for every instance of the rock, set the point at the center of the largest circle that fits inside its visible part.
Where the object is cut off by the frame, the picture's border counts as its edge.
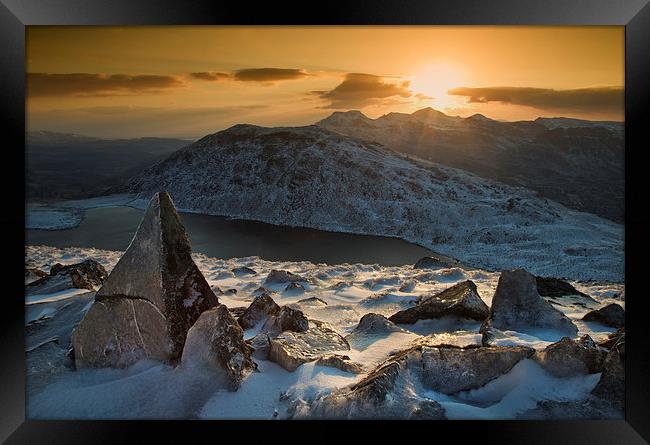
(312, 301)
(612, 339)
(341, 285)
(287, 319)
(261, 345)
(260, 309)
(32, 274)
(556, 288)
(157, 268)
(341, 362)
(237, 311)
(428, 262)
(591, 408)
(230, 292)
(568, 358)
(292, 349)
(517, 305)
(374, 324)
(428, 410)
(216, 341)
(450, 369)
(295, 288)
(282, 276)
(117, 332)
(611, 315)
(241, 271)
(461, 300)
(85, 275)
(408, 286)
(611, 386)
(261, 290)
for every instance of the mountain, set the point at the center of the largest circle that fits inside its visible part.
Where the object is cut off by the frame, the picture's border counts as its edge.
(313, 177)
(575, 162)
(63, 165)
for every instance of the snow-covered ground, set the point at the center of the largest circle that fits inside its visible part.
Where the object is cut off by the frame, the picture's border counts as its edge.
(154, 390)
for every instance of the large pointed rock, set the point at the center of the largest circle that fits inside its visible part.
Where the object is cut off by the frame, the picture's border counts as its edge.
(157, 269)
(517, 306)
(460, 300)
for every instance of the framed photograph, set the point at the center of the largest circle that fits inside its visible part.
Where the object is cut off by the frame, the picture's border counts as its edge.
(363, 213)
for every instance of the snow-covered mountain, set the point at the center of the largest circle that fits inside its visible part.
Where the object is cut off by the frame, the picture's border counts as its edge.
(575, 162)
(313, 177)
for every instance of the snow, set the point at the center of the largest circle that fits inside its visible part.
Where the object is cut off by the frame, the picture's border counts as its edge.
(154, 390)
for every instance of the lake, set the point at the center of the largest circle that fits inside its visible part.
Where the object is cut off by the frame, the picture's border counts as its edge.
(112, 229)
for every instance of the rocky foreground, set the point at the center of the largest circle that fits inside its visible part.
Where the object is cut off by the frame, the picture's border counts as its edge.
(171, 334)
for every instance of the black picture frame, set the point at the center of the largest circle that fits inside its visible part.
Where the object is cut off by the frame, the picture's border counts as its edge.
(15, 15)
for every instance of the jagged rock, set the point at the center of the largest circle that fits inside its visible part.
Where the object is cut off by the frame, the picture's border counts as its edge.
(450, 369)
(312, 301)
(611, 386)
(282, 276)
(157, 268)
(287, 319)
(517, 305)
(261, 345)
(373, 324)
(237, 311)
(612, 339)
(292, 349)
(85, 275)
(117, 332)
(295, 288)
(261, 290)
(611, 315)
(428, 410)
(460, 300)
(261, 308)
(217, 341)
(568, 358)
(32, 274)
(556, 288)
(243, 270)
(341, 362)
(428, 262)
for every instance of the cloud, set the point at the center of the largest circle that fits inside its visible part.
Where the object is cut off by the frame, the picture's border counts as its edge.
(359, 90)
(269, 74)
(87, 84)
(594, 100)
(211, 76)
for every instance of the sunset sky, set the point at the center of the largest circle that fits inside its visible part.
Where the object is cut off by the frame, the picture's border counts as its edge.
(191, 81)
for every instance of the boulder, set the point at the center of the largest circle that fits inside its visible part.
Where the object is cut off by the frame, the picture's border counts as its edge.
(117, 332)
(292, 349)
(282, 276)
(374, 324)
(286, 319)
(294, 288)
(449, 369)
(611, 386)
(261, 290)
(261, 345)
(612, 339)
(611, 315)
(568, 358)
(32, 274)
(428, 262)
(556, 288)
(312, 301)
(243, 270)
(216, 341)
(341, 362)
(85, 275)
(158, 269)
(237, 311)
(517, 305)
(461, 300)
(260, 309)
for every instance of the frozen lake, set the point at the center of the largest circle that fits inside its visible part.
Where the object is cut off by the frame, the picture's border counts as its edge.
(112, 228)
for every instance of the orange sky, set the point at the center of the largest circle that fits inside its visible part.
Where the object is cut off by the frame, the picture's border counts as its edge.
(191, 81)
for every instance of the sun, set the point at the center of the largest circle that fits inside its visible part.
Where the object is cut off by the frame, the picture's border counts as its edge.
(434, 80)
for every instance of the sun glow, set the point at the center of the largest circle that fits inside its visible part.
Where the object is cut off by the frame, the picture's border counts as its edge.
(435, 80)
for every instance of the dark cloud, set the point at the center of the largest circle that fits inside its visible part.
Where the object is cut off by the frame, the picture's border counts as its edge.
(86, 84)
(358, 90)
(269, 74)
(211, 76)
(597, 99)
